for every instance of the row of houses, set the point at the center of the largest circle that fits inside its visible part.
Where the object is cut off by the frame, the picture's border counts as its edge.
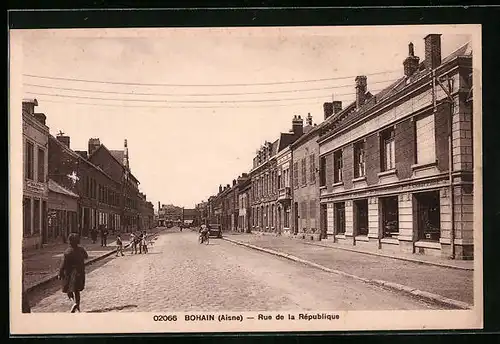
(169, 215)
(69, 191)
(391, 170)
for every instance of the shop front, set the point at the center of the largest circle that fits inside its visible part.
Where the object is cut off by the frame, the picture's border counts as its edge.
(62, 213)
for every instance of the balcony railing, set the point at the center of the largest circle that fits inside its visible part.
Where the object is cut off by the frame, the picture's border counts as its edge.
(284, 194)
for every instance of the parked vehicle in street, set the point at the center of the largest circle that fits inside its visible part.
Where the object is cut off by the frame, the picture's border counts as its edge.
(215, 230)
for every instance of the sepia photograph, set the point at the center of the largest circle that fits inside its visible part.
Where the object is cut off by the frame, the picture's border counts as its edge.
(245, 179)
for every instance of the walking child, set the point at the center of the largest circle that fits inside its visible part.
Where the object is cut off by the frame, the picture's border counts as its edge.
(119, 245)
(133, 244)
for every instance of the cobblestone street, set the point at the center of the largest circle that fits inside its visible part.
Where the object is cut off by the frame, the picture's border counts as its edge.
(178, 274)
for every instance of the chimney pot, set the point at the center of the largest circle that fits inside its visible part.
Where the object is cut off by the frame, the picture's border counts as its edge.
(298, 126)
(360, 90)
(65, 140)
(410, 64)
(40, 117)
(309, 119)
(432, 51)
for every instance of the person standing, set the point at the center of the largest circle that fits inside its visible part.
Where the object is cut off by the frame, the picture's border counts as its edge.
(119, 245)
(72, 271)
(133, 244)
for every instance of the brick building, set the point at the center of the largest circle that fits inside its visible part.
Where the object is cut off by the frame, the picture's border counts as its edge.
(98, 192)
(35, 187)
(62, 214)
(265, 176)
(385, 172)
(305, 162)
(125, 216)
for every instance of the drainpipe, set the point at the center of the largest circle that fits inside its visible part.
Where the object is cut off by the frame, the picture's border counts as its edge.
(450, 154)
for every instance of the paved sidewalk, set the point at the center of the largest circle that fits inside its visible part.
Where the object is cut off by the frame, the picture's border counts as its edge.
(456, 284)
(43, 264)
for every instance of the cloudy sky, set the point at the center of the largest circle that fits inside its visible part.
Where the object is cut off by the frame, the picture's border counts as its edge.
(195, 104)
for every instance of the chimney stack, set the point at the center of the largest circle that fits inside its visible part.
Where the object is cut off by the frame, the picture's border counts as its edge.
(432, 51)
(309, 119)
(220, 188)
(93, 145)
(298, 125)
(40, 117)
(29, 106)
(327, 109)
(158, 206)
(410, 64)
(360, 90)
(337, 106)
(64, 140)
(234, 182)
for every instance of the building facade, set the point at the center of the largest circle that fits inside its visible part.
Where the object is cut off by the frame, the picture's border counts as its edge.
(388, 178)
(35, 181)
(305, 162)
(285, 195)
(244, 209)
(62, 214)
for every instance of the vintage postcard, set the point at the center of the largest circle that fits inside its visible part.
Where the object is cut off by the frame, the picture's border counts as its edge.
(245, 179)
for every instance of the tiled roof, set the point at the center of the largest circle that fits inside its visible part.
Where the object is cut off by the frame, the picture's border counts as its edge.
(54, 187)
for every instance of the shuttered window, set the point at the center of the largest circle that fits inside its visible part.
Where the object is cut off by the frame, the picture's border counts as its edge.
(426, 141)
(295, 174)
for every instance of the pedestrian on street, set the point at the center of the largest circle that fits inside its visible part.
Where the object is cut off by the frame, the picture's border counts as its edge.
(139, 241)
(93, 235)
(104, 235)
(144, 242)
(133, 244)
(119, 245)
(72, 271)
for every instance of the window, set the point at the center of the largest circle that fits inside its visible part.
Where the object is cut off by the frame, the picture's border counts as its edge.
(322, 171)
(389, 216)
(287, 218)
(29, 160)
(304, 171)
(361, 217)
(312, 168)
(27, 216)
(339, 217)
(429, 220)
(41, 165)
(312, 209)
(359, 159)
(388, 153)
(426, 143)
(337, 166)
(36, 216)
(295, 174)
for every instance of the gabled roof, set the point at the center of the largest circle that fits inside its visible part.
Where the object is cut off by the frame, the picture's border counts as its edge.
(102, 146)
(77, 156)
(54, 187)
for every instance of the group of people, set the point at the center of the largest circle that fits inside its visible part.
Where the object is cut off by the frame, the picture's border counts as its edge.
(138, 240)
(103, 233)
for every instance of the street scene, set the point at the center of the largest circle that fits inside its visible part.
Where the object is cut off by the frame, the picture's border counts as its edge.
(247, 170)
(170, 277)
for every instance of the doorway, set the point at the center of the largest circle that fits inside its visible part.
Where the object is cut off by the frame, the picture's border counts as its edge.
(361, 217)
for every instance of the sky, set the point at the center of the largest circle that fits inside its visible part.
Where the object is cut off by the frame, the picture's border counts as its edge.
(171, 92)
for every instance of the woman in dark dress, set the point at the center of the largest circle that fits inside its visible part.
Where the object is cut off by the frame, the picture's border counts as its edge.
(72, 271)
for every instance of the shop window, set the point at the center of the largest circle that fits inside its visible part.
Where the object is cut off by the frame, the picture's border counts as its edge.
(361, 217)
(428, 216)
(339, 217)
(425, 140)
(388, 156)
(322, 171)
(337, 166)
(359, 159)
(390, 223)
(27, 216)
(29, 160)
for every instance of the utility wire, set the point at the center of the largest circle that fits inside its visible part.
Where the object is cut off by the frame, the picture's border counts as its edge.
(187, 101)
(201, 85)
(198, 94)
